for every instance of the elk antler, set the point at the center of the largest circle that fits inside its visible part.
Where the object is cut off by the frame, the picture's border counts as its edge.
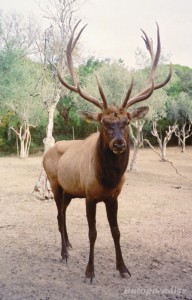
(76, 87)
(148, 90)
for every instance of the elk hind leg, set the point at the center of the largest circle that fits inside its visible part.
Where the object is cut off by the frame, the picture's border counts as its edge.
(67, 199)
(59, 199)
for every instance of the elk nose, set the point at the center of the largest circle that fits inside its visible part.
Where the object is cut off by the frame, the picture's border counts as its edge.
(119, 144)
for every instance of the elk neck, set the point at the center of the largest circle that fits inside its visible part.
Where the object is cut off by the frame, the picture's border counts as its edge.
(110, 166)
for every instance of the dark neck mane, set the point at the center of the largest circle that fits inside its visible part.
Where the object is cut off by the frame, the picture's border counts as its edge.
(110, 166)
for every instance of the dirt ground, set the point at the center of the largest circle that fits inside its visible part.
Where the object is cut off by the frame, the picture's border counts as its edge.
(155, 219)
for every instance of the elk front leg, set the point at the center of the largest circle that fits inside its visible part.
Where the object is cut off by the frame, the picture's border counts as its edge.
(111, 208)
(91, 214)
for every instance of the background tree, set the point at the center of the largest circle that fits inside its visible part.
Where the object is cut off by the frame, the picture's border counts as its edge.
(18, 32)
(19, 75)
(181, 81)
(51, 47)
(165, 122)
(19, 78)
(180, 112)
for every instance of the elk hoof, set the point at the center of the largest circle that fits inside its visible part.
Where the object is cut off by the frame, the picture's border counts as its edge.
(90, 275)
(90, 280)
(124, 272)
(64, 256)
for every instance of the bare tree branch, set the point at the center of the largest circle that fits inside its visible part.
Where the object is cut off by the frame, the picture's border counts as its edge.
(164, 160)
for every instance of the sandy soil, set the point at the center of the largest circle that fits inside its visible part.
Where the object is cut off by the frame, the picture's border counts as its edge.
(155, 219)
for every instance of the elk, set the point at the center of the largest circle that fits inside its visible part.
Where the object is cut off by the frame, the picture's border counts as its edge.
(94, 168)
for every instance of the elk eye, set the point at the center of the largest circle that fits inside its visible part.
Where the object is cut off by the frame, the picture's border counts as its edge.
(124, 124)
(109, 128)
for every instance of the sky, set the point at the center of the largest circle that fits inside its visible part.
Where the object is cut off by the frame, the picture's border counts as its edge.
(113, 29)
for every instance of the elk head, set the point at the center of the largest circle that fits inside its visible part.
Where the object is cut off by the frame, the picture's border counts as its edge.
(114, 120)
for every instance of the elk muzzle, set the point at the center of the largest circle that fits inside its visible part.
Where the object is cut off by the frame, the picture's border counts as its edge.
(118, 145)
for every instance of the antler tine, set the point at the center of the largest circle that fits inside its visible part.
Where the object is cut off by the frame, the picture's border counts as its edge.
(77, 37)
(128, 94)
(149, 46)
(148, 43)
(142, 97)
(148, 90)
(101, 93)
(70, 46)
(163, 83)
(157, 56)
(76, 87)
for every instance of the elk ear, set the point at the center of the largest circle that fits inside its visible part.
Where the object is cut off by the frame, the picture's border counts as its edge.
(89, 117)
(138, 113)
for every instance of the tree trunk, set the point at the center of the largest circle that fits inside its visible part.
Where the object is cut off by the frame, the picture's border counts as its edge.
(183, 138)
(183, 146)
(137, 142)
(9, 133)
(163, 141)
(28, 143)
(42, 189)
(23, 138)
(179, 140)
(73, 131)
(183, 134)
(164, 151)
(49, 140)
(17, 143)
(22, 153)
(133, 164)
